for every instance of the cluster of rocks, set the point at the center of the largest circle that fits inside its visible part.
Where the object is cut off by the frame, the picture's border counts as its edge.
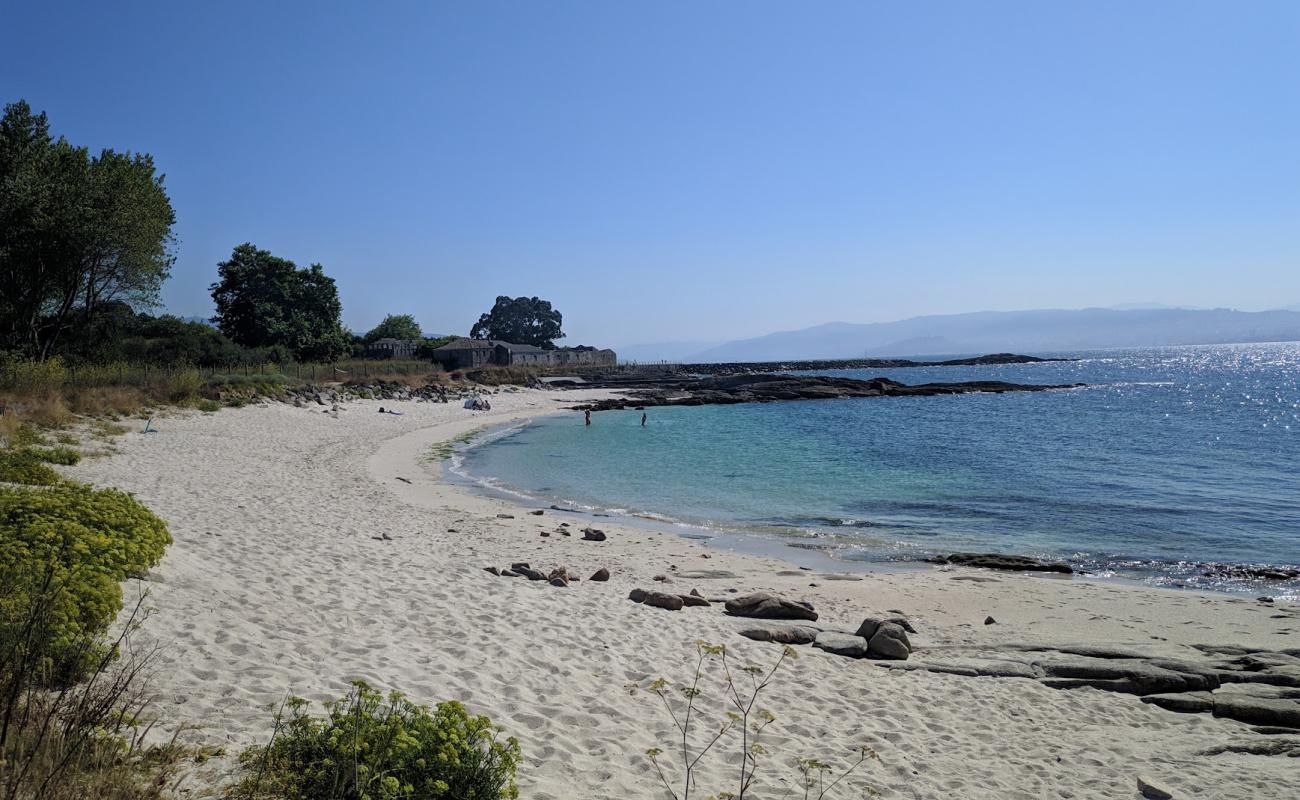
(1240, 572)
(559, 576)
(1002, 561)
(377, 389)
(1258, 687)
(667, 600)
(763, 388)
(880, 637)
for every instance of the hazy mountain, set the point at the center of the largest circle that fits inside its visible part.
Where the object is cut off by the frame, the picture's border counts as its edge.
(1017, 331)
(661, 351)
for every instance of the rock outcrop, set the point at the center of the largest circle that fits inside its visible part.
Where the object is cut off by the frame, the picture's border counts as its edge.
(762, 605)
(1002, 561)
(763, 388)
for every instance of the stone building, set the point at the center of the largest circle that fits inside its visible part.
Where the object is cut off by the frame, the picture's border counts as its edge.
(393, 348)
(468, 353)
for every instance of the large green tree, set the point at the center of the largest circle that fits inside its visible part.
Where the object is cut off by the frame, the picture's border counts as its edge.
(76, 232)
(266, 301)
(522, 320)
(394, 326)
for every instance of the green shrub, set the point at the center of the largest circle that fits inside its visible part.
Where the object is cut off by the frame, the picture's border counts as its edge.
(67, 548)
(368, 747)
(65, 456)
(32, 376)
(184, 385)
(22, 466)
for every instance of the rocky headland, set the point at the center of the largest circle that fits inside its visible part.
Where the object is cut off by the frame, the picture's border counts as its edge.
(767, 387)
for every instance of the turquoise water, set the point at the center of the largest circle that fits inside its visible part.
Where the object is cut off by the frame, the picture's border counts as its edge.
(1171, 458)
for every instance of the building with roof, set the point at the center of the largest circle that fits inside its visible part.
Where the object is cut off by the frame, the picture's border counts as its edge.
(466, 353)
(393, 348)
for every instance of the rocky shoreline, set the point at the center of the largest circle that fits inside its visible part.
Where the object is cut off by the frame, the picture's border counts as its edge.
(767, 387)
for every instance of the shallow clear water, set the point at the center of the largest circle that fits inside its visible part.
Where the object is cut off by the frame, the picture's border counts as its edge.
(1170, 458)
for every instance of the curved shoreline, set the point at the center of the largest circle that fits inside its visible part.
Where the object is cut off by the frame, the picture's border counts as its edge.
(801, 552)
(278, 582)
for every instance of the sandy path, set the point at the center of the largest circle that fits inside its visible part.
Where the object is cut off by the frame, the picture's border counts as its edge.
(275, 584)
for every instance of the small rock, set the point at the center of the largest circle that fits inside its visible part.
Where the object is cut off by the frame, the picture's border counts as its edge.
(505, 516)
(662, 578)
(990, 621)
(558, 582)
(669, 602)
(528, 572)
(593, 535)
(1152, 790)
(1265, 599)
(508, 573)
(537, 513)
(601, 574)
(546, 534)
(493, 570)
(693, 600)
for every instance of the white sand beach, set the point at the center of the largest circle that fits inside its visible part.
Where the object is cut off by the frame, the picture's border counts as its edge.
(276, 584)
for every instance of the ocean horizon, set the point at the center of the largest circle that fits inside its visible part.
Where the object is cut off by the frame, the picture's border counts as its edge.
(1173, 466)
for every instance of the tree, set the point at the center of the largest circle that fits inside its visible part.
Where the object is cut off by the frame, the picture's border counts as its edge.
(394, 326)
(266, 301)
(75, 232)
(521, 320)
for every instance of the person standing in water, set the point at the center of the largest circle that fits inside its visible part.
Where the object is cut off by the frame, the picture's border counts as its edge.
(642, 419)
(589, 416)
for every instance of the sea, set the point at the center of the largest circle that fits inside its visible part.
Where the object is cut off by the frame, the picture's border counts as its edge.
(1170, 467)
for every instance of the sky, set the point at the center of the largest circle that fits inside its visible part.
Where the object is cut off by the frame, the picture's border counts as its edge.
(701, 171)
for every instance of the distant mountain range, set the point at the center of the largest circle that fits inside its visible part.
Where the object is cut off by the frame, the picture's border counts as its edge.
(1012, 331)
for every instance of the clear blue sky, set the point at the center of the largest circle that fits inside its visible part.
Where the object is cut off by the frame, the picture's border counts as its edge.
(702, 170)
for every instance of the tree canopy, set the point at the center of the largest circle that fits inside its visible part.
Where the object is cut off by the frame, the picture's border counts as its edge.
(394, 326)
(266, 301)
(521, 320)
(76, 232)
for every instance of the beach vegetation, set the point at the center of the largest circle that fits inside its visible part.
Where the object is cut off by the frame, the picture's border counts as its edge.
(23, 466)
(67, 549)
(371, 746)
(83, 739)
(73, 701)
(703, 725)
(521, 320)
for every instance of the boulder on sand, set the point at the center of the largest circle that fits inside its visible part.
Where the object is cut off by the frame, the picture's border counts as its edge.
(763, 605)
(889, 641)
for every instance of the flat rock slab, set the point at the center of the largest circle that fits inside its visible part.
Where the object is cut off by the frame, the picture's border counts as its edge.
(1183, 703)
(1258, 710)
(1003, 561)
(783, 634)
(974, 667)
(705, 574)
(762, 605)
(841, 644)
